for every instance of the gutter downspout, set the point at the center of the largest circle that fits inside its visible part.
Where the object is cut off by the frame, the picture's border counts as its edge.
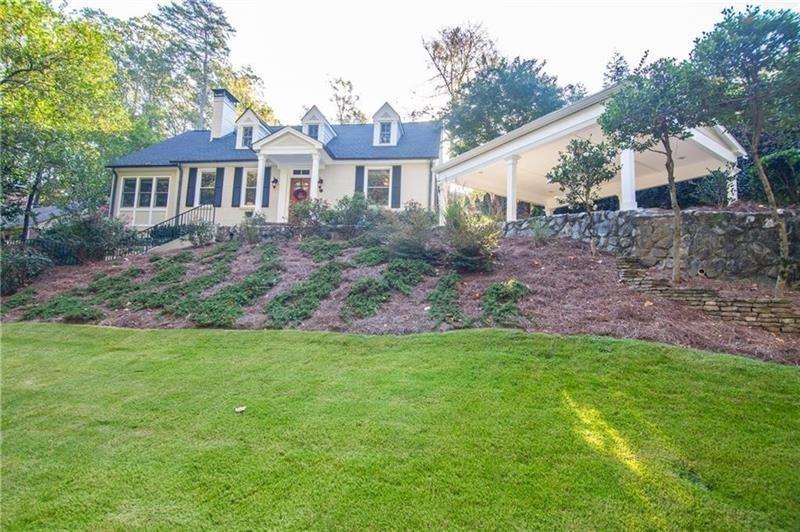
(430, 184)
(113, 193)
(180, 186)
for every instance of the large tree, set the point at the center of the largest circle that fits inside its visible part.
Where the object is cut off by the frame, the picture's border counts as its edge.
(57, 96)
(199, 32)
(457, 54)
(580, 172)
(659, 104)
(753, 58)
(617, 69)
(346, 101)
(248, 87)
(503, 96)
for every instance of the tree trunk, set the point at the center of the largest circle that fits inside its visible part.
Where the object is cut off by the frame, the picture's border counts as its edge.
(26, 217)
(676, 214)
(590, 227)
(783, 234)
(203, 96)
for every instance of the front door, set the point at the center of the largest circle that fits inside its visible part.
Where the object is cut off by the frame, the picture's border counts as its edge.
(299, 189)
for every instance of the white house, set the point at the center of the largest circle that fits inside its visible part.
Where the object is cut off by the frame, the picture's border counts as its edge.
(514, 165)
(243, 165)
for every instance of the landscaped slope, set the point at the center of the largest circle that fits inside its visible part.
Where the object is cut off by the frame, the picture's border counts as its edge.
(557, 286)
(121, 428)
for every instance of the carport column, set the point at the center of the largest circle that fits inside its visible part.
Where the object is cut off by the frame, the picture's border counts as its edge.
(627, 197)
(511, 188)
(262, 164)
(441, 190)
(314, 192)
(733, 188)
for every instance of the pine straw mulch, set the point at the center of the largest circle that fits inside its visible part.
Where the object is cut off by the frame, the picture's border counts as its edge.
(571, 293)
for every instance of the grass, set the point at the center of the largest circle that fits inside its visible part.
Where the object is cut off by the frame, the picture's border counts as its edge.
(119, 429)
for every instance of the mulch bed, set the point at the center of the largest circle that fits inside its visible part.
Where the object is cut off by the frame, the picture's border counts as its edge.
(572, 292)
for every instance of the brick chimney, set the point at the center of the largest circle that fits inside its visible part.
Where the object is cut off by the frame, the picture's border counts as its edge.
(223, 115)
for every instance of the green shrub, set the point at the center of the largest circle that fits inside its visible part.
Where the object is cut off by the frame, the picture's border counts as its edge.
(20, 266)
(411, 234)
(405, 274)
(23, 298)
(112, 291)
(226, 306)
(499, 302)
(251, 227)
(200, 233)
(444, 301)
(68, 308)
(370, 256)
(301, 301)
(91, 236)
(472, 238)
(365, 297)
(307, 217)
(319, 250)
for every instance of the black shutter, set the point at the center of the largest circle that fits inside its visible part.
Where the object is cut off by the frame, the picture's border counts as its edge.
(190, 186)
(267, 186)
(218, 187)
(237, 186)
(359, 179)
(396, 180)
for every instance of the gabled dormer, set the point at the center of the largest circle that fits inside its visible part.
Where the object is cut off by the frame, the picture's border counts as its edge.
(316, 126)
(249, 128)
(387, 127)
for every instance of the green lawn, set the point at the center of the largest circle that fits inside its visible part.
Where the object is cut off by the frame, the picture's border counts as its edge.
(112, 429)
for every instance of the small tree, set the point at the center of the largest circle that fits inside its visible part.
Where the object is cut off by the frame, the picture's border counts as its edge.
(617, 69)
(580, 172)
(346, 101)
(659, 103)
(753, 58)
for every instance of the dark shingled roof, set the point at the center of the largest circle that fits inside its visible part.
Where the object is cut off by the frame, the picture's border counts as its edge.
(420, 140)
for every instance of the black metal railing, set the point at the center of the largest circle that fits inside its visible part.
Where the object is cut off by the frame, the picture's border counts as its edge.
(58, 251)
(167, 231)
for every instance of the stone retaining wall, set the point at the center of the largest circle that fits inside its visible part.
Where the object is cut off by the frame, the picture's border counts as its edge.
(774, 315)
(716, 244)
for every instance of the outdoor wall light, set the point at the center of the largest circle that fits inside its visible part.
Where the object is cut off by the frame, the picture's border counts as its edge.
(319, 185)
(274, 182)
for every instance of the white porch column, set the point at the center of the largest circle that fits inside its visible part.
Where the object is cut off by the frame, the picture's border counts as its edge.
(314, 192)
(262, 164)
(733, 188)
(627, 197)
(441, 190)
(511, 188)
(282, 214)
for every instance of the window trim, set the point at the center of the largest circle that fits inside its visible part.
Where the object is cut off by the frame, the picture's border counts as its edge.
(243, 191)
(308, 130)
(381, 123)
(135, 209)
(199, 184)
(366, 184)
(135, 193)
(252, 134)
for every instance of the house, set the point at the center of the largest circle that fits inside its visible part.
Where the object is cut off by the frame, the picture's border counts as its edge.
(244, 166)
(514, 165)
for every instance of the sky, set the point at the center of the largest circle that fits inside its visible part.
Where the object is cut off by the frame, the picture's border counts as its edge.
(297, 46)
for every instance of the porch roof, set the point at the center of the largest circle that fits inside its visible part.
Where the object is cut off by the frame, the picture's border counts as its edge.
(536, 145)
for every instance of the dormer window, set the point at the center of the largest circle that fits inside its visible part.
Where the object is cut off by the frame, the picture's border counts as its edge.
(385, 136)
(313, 131)
(247, 136)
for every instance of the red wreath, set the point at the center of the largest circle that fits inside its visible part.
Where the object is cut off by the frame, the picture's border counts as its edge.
(300, 194)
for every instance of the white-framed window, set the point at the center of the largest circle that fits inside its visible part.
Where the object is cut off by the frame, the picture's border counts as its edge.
(162, 193)
(128, 199)
(144, 193)
(385, 133)
(249, 188)
(378, 184)
(313, 131)
(206, 188)
(247, 136)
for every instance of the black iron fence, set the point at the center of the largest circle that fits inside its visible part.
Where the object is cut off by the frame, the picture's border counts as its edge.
(58, 251)
(166, 231)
